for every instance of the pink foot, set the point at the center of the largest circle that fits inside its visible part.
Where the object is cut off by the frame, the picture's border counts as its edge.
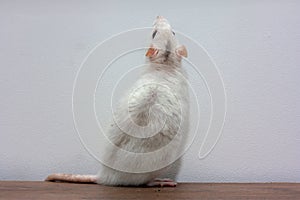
(162, 182)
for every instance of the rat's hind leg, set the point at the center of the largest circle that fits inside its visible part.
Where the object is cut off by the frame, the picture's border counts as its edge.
(162, 182)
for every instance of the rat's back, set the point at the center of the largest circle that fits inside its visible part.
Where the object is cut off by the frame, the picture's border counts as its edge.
(151, 116)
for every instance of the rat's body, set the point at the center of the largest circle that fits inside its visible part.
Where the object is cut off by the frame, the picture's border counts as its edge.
(158, 101)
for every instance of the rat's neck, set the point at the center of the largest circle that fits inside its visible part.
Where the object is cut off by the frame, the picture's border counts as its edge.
(167, 61)
(172, 67)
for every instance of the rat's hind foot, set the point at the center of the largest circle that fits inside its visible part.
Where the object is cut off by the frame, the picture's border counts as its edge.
(162, 182)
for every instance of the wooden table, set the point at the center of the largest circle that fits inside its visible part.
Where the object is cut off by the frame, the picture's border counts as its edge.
(48, 190)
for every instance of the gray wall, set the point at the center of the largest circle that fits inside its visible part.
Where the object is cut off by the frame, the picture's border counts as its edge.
(256, 45)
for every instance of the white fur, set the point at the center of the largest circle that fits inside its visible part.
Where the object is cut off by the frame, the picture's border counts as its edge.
(157, 101)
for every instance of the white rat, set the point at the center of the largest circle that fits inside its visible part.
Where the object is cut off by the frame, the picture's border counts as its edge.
(159, 102)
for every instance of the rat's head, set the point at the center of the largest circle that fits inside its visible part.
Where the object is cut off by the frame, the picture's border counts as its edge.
(164, 48)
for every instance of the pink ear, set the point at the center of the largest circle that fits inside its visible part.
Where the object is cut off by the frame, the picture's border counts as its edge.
(151, 52)
(181, 51)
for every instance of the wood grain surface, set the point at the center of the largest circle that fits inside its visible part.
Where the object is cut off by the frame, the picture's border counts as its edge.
(49, 190)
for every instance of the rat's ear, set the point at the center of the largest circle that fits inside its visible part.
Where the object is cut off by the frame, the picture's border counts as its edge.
(181, 51)
(151, 52)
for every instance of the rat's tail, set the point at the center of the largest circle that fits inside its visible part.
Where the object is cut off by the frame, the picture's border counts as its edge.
(72, 178)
